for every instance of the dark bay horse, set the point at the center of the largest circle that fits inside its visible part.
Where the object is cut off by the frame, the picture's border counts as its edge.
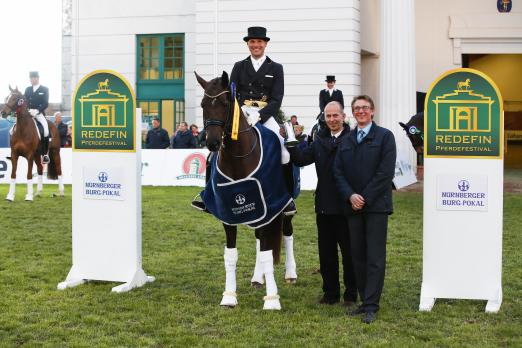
(415, 131)
(25, 142)
(237, 159)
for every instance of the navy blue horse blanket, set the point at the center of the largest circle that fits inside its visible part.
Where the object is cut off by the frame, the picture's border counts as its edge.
(257, 199)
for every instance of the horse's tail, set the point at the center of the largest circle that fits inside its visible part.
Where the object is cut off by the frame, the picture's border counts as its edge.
(52, 168)
(275, 238)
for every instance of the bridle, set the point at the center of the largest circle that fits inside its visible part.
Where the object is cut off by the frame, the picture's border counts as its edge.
(20, 101)
(225, 125)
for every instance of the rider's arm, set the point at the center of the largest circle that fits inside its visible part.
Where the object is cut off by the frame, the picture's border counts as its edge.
(276, 96)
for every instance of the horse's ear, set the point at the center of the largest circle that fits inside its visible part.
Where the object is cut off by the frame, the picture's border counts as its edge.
(10, 88)
(201, 81)
(403, 125)
(224, 79)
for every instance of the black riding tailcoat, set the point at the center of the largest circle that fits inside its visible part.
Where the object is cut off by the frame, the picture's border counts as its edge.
(325, 98)
(328, 199)
(38, 99)
(267, 82)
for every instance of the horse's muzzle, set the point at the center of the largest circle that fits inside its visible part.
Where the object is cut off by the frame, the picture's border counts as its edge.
(213, 146)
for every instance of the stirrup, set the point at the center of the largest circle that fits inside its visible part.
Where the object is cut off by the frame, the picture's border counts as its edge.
(199, 205)
(290, 209)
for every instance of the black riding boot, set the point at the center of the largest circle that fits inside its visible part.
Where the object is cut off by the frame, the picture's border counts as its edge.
(198, 204)
(288, 173)
(45, 150)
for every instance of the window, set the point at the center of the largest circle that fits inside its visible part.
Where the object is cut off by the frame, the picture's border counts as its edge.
(161, 57)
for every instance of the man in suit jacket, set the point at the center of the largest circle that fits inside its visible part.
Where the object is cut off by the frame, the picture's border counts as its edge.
(364, 169)
(330, 93)
(332, 227)
(38, 98)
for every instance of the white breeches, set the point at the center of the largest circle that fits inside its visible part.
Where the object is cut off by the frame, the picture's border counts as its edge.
(274, 127)
(43, 121)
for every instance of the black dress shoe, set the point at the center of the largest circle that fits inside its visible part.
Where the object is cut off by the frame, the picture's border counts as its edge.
(290, 209)
(357, 311)
(369, 317)
(348, 303)
(328, 300)
(199, 205)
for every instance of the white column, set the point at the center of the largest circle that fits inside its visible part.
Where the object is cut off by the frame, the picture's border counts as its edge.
(397, 72)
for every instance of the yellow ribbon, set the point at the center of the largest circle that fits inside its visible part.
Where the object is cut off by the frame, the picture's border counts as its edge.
(235, 120)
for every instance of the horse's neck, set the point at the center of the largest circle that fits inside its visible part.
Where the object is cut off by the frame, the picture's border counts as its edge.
(246, 144)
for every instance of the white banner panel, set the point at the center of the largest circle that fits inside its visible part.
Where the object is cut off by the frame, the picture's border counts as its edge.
(158, 168)
(462, 191)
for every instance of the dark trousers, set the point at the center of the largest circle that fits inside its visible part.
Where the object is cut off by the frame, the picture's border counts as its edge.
(332, 231)
(368, 245)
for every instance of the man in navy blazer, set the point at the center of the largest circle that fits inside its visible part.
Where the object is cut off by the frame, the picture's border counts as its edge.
(363, 170)
(38, 98)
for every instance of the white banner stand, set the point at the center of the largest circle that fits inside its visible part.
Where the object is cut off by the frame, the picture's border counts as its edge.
(463, 190)
(106, 232)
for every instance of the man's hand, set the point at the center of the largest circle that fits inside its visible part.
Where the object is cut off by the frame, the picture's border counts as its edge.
(357, 201)
(34, 112)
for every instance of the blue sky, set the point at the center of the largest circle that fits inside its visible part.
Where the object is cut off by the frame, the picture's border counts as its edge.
(30, 39)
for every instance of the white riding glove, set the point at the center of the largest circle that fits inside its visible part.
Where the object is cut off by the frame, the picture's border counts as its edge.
(252, 117)
(34, 112)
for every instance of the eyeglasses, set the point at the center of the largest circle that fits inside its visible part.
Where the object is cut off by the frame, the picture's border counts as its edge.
(363, 108)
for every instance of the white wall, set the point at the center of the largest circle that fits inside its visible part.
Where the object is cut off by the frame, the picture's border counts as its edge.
(310, 39)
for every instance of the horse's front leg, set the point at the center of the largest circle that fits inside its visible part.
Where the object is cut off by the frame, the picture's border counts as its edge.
(39, 169)
(266, 258)
(290, 265)
(257, 280)
(229, 296)
(12, 185)
(29, 194)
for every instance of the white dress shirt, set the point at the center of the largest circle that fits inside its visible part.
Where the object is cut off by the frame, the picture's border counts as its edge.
(257, 62)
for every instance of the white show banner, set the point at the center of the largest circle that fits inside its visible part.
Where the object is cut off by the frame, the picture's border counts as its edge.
(158, 168)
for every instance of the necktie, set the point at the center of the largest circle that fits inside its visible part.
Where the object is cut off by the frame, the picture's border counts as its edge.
(360, 136)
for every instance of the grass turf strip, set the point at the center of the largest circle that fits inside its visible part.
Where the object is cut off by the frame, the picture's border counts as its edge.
(183, 249)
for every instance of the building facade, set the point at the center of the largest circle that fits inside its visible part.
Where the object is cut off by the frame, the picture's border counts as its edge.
(391, 50)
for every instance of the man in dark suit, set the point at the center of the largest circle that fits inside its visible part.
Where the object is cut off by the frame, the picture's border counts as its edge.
(364, 168)
(330, 93)
(62, 128)
(38, 98)
(332, 227)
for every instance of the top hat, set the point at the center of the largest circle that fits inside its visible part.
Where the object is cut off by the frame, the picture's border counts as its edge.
(330, 78)
(256, 33)
(33, 74)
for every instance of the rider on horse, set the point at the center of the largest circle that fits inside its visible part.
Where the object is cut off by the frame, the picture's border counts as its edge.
(260, 91)
(38, 98)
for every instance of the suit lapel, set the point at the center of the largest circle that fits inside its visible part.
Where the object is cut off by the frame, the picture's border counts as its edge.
(264, 68)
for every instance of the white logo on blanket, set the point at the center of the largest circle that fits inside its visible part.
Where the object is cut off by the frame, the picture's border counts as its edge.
(240, 199)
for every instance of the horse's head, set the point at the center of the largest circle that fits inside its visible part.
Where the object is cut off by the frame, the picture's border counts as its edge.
(216, 105)
(415, 131)
(13, 101)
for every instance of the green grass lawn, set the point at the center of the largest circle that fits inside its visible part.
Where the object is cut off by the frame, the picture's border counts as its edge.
(183, 249)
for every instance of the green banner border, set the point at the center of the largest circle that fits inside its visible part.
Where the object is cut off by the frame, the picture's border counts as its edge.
(501, 116)
(133, 95)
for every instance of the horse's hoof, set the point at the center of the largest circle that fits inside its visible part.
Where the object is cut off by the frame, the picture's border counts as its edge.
(229, 300)
(291, 280)
(29, 198)
(256, 285)
(9, 198)
(272, 303)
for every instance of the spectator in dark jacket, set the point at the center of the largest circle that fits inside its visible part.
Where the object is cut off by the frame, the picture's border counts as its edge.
(332, 227)
(183, 139)
(62, 128)
(157, 137)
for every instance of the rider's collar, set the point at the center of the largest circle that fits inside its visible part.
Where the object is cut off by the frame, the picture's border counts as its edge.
(35, 88)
